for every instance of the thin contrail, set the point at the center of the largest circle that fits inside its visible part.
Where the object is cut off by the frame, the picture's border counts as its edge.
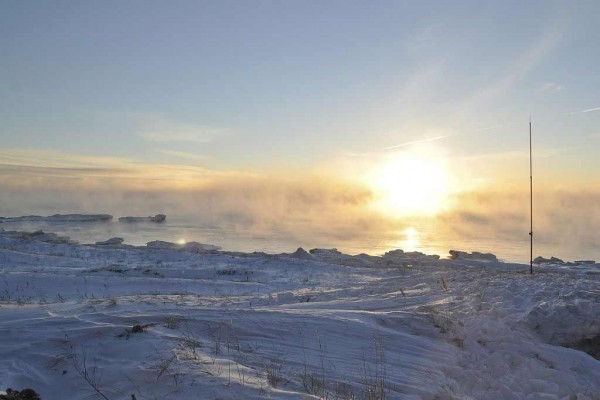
(590, 110)
(587, 110)
(489, 128)
(417, 141)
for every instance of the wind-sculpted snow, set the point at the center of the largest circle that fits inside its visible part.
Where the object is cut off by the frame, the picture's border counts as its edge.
(164, 321)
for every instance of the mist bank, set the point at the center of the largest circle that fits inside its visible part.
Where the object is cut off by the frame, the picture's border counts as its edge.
(260, 204)
(304, 205)
(566, 217)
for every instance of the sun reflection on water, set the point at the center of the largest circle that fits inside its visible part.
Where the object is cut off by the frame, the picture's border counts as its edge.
(411, 241)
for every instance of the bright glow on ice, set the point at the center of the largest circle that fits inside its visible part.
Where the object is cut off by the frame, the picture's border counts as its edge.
(181, 241)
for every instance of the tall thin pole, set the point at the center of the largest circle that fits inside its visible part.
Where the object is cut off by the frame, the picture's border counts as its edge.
(530, 204)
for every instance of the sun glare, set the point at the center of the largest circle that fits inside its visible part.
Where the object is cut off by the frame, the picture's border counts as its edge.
(411, 184)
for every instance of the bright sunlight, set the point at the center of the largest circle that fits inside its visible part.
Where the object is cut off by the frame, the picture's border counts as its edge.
(407, 183)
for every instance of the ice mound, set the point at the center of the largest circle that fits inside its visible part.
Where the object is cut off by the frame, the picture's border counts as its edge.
(301, 254)
(191, 247)
(111, 242)
(39, 236)
(196, 247)
(552, 260)
(539, 260)
(569, 320)
(325, 252)
(60, 218)
(158, 218)
(401, 255)
(162, 245)
(475, 256)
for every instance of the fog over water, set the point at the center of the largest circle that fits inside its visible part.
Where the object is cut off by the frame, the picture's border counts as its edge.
(420, 236)
(276, 214)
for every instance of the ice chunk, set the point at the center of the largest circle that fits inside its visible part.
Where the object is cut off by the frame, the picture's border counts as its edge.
(302, 254)
(158, 218)
(161, 244)
(61, 218)
(110, 242)
(552, 260)
(477, 256)
(196, 247)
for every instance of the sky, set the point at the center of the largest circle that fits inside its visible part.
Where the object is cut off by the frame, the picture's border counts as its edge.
(375, 111)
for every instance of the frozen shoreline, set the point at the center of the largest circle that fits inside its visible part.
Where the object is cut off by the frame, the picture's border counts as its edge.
(254, 325)
(177, 229)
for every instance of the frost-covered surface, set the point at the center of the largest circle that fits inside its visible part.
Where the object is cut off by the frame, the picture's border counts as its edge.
(217, 325)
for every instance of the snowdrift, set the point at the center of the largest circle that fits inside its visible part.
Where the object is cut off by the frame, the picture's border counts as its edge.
(159, 321)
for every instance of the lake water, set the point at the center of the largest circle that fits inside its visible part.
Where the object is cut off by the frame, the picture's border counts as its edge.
(420, 238)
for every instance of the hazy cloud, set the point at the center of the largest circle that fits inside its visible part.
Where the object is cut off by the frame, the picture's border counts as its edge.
(50, 168)
(515, 154)
(162, 130)
(521, 66)
(417, 142)
(262, 205)
(59, 159)
(551, 87)
(184, 155)
(566, 217)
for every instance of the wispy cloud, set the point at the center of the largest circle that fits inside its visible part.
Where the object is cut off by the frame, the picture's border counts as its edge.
(551, 87)
(590, 110)
(587, 110)
(158, 128)
(516, 154)
(488, 128)
(49, 158)
(184, 155)
(19, 167)
(522, 65)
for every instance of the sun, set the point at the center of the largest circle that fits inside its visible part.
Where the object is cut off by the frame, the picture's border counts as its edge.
(409, 184)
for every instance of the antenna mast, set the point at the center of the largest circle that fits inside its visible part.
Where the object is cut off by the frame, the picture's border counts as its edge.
(530, 204)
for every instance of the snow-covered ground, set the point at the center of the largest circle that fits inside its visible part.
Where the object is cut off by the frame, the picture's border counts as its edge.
(82, 322)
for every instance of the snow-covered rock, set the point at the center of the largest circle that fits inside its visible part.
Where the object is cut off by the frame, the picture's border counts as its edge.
(158, 218)
(552, 260)
(406, 256)
(301, 254)
(39, 236)
(161, 244)
(190, 247)
(476, 256)
(61, 218)
(111, 242)
(196, 247)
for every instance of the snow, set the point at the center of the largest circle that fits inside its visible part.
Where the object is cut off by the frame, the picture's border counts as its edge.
(187, 322)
